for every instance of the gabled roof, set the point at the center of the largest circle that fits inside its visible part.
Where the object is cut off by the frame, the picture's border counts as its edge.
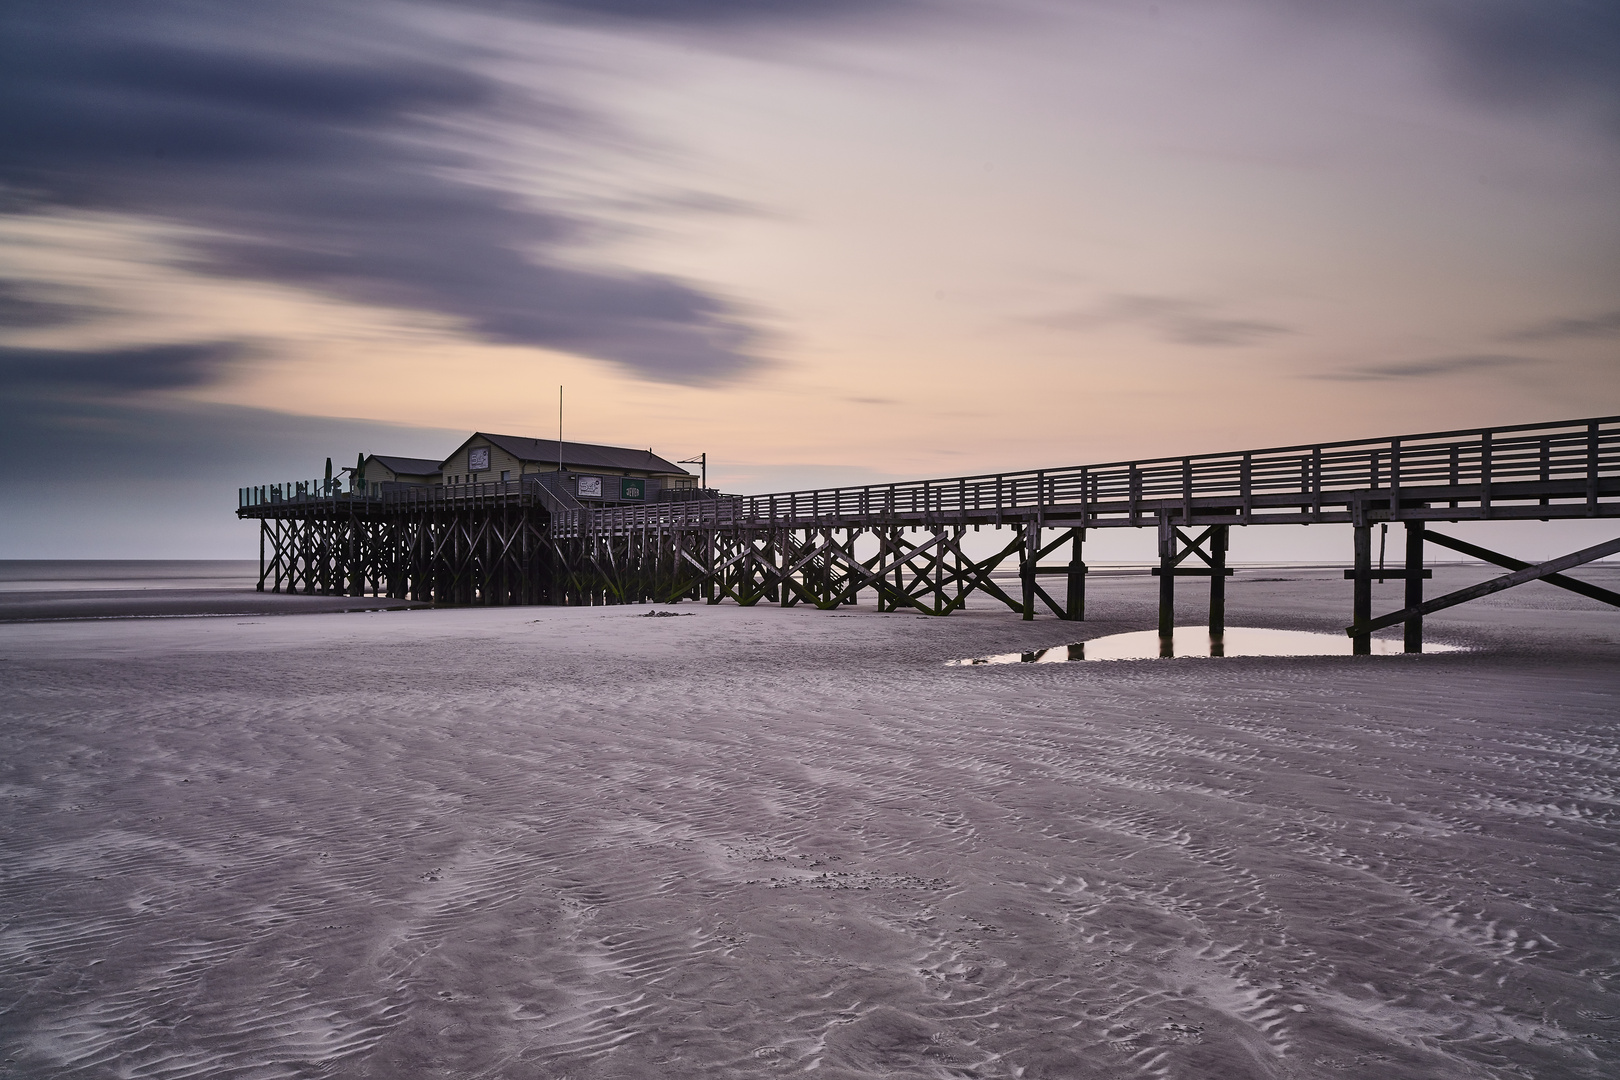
(580, 455)
(407, 466)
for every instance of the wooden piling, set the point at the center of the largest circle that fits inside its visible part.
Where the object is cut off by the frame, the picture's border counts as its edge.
(1075, 603)
(1167, 577)
(1361, 602)
(1026, 567)
(1414, 586)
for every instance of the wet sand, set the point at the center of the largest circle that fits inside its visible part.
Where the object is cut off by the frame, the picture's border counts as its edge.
(581, 842)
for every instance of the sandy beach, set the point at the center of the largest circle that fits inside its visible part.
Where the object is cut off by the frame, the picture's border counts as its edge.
(585, 843)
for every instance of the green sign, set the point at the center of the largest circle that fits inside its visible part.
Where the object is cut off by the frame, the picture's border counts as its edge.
(632, 488)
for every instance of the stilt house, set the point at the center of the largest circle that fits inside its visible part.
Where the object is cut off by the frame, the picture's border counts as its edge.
(589, 472)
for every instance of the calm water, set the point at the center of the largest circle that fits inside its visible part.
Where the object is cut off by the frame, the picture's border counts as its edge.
(53, 590)
(77, 575)
(1195, 641)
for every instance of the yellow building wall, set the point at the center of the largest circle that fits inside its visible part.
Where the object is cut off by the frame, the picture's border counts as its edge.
(378, 473)
(455, 467)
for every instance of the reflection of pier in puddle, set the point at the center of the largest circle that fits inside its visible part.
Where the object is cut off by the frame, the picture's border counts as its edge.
(1192, 641)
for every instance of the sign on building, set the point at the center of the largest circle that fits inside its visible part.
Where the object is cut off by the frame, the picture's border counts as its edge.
(478, 459)
(590, 487)
(631, 488)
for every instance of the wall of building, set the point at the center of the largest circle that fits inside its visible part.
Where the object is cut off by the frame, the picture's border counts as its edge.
(455, 470)
(378, 473)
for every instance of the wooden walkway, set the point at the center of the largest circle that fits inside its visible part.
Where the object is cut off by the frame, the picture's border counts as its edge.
(520, 542)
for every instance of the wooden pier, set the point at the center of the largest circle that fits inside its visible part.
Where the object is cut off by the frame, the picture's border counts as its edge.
(524, 542)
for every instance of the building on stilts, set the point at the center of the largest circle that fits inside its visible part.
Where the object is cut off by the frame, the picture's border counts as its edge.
(505, 520)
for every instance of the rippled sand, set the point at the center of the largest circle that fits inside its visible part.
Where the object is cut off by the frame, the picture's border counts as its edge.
(582, 843)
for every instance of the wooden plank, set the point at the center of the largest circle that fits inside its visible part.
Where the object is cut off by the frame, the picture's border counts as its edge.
(1510, 563)
(1593, 463)
(1494, 585)
(1051, 603)
(1392, 575)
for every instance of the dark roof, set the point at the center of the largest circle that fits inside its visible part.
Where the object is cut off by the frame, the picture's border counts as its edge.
(585, 455)
(407, 466)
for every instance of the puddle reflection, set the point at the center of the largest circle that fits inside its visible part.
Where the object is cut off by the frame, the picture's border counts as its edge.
(1196, 641)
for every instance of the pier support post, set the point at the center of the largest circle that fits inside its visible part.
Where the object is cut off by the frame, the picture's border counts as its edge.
(782, 553)
(1075, 604)
(1026, 569)
(1361, 604)
(710, 593)
(1217, 580)
(1414, 585)
(1167, 577)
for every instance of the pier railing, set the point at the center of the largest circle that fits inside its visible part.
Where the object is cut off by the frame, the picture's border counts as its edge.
(1561, 469)
(1565, 469)
(320, 493)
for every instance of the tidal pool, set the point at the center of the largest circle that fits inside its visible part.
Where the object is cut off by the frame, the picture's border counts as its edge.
(1196, 641)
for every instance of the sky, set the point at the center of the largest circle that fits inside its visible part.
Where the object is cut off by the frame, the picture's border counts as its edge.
(822, 241)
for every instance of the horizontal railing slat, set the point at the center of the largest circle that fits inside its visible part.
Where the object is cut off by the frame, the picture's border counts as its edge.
(1571, 450)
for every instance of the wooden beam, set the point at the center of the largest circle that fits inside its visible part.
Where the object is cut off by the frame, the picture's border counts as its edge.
(1486, 588)
(1361, 602)
(1413, 640)
(1391, 575)
(1510, 563)
(1051, 603)
(1167, 576)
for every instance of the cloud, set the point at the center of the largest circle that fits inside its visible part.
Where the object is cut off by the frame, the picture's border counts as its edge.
(1185, 322)
(1432, 368)
(324, 157)
(1597, 326)
(699, 12)
(1518, 55)
(52, 373)
(1529, 52)
(26, 306)
(329, 147)
(157, 478)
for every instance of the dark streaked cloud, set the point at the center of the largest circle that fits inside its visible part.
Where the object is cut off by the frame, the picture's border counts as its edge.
(1434, 367)
(1516, 55)
(28, 306)
(157, 478)
(1596, 326)
(321, 157)
(698, 12)
(117, 439)
(1531, 53)
(1185, 322)
(95, 373)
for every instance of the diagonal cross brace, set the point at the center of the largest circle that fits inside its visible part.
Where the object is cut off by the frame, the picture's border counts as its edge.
(1193, 546)
(1486, 555)
(1494, 585)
